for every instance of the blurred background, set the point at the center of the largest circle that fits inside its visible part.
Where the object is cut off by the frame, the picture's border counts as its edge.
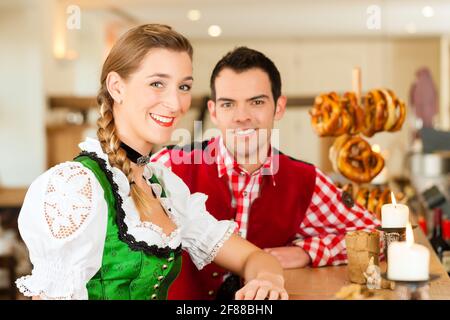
(52, 53)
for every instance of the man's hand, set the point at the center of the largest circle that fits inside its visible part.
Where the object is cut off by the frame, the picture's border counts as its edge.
(290, 257)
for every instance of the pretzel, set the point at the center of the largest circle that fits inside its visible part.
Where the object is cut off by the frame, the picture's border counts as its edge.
(362, 196)
(374, 113)
(376, 199)
(325, 114)
(335, 149)
(373, 200)
(389, 111)
(400, 112)
(383, 112)
(345, 121)
(383, 199)
(332, 115)
(356, 160)
(350, 103)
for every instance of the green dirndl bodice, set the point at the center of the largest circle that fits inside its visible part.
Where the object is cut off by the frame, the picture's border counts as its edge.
(130, 269)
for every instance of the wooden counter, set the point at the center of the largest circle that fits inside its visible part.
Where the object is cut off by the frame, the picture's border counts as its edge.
(12, 197)
(306, 283)
(325, 282)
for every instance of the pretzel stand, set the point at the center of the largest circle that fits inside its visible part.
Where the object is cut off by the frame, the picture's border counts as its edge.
(347, 118)
(361, 246)
(357, 88)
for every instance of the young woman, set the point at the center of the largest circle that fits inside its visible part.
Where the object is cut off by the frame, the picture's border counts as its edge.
(110, 225)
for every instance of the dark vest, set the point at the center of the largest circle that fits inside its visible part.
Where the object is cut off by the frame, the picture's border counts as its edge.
(274, 216)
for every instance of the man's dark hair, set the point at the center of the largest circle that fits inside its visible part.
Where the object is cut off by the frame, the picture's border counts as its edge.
(242, 59)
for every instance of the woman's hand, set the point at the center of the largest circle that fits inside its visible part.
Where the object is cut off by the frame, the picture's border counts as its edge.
(265, 286)
(262, 271)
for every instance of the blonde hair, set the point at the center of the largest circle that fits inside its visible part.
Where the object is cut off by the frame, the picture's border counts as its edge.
(124, 58)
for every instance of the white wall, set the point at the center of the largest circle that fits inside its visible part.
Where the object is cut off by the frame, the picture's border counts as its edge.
(30, 73)
(22, 142)
(80, 76)
(307, 67)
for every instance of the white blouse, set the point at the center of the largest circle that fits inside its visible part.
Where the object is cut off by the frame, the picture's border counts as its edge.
(64, 217)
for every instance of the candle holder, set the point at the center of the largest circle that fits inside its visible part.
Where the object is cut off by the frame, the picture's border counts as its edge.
(412, 290)
(391, 235)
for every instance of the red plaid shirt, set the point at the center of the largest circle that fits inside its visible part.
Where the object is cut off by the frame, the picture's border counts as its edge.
(327, 220)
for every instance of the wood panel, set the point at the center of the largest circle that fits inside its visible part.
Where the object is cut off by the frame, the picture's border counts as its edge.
(12, 197)
(62, 143)
(72, 102)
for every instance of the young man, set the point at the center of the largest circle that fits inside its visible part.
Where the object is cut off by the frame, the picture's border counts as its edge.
(284, 205)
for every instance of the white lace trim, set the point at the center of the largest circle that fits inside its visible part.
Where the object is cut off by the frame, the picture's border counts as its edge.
(20, 283)
(230, 230)
(23, 289)
(166, 238)
(52, 281)
(156, 235)
(68, 200)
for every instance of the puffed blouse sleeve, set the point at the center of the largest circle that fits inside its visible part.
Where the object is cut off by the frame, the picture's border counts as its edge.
(202, 235)
(63, 223)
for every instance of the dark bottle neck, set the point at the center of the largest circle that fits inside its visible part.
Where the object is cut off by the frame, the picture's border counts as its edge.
(437, 229)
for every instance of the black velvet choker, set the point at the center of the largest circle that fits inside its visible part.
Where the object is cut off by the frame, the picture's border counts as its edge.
(135, 156)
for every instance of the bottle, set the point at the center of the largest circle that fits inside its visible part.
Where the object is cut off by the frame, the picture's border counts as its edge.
(422, 224)
(446, 235)
(446, 229)
(437, 241)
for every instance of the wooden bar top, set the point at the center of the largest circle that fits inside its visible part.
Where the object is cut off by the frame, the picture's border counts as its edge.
(324, 282)
(12, 197)
(307, 283)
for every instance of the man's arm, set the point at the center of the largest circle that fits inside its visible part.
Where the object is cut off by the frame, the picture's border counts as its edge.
(290, 257)
(321, 235)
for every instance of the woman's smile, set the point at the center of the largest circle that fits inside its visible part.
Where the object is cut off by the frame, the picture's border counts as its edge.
(162, 120)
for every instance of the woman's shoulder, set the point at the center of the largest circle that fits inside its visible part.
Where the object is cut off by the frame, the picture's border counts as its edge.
(63, 183)
(69, 169)
(61, 201)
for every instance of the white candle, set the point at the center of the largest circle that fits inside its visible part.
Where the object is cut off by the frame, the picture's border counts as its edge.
(408, 261)
(394, 215)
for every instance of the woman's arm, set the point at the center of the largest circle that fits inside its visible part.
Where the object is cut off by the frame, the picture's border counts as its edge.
(65, 253)
(262, 272)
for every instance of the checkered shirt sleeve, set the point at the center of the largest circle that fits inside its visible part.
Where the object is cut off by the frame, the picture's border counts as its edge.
(322, 232)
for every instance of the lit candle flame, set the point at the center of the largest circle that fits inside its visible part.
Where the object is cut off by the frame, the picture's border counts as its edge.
(394, 202)
(409, 234)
